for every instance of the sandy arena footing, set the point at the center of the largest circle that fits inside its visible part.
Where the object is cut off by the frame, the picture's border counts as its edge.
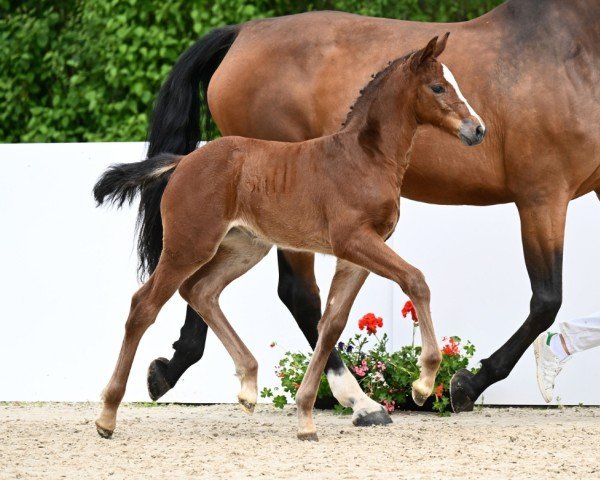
(59, 440)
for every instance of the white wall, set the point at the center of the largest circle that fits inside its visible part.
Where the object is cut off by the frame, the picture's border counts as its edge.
(69, 272)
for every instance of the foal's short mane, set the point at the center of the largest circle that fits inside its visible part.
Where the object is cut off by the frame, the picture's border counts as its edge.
(368, 92)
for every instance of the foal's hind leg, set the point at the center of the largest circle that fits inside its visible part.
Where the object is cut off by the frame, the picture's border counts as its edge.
(145, 305)
(237, 254)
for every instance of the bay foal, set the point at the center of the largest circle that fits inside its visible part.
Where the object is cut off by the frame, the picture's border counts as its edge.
(336, 195)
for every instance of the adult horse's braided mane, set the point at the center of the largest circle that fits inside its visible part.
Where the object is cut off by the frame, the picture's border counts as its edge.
(369, 90)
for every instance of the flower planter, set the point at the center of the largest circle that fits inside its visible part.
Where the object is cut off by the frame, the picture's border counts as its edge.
(383, 375)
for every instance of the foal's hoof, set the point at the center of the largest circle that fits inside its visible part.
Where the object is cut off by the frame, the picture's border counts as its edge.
(103, 432)
(308, 436)
(420, 393)
(370, 419)
(459, 398)
(247, 406)
(157, 382)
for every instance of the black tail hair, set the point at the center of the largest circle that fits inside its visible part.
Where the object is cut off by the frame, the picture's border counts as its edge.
(122, 182)
(181, 116)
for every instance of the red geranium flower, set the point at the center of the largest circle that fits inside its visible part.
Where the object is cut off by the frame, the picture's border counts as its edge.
(370, 322)
(439, 391)
(451, 348)
(410, 308)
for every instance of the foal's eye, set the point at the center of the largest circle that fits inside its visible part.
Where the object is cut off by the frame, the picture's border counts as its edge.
(437, 88)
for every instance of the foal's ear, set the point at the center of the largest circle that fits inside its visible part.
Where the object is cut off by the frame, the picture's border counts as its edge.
(441, 45)
(420, 57)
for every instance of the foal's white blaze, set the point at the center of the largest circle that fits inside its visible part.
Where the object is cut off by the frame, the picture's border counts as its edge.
(452, 81)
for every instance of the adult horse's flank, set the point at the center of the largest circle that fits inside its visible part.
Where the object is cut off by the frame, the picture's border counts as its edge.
(535, 80)
(337, 194)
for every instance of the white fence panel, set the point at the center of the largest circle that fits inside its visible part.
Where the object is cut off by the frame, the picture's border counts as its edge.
(69, 272)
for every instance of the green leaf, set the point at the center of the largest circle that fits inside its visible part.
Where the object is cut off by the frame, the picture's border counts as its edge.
(280, 401)
(266, 393)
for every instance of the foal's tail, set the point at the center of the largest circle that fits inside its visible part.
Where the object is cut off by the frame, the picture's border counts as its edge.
(181, 114)
(122, 182)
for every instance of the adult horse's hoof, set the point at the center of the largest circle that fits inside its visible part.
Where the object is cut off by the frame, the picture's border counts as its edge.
(103, 432)
(459, 398)
(370, 419)
(308, 436)
(157, 382)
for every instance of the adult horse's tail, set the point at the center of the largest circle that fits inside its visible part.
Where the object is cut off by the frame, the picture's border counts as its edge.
(122, 182)
(179, 121)
(181, 117)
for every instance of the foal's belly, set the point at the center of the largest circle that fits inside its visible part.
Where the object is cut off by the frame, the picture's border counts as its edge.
(285, 235)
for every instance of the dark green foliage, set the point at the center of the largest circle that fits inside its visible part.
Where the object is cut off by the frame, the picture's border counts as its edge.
(83, 70)
(384, 376)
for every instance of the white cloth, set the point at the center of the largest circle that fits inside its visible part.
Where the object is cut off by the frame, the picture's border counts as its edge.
(581, 333)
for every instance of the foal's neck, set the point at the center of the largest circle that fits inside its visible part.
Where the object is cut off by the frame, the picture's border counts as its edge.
(385, 126)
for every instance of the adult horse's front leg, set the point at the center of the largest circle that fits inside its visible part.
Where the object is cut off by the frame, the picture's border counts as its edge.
(542, 230)
(346, 283)
(299, 292)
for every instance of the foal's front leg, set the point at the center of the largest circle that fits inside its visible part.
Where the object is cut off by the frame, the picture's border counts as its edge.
(299, 292)
(367, 249)
(346, 283)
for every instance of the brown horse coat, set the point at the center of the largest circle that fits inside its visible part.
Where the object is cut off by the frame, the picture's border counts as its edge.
(530, 67)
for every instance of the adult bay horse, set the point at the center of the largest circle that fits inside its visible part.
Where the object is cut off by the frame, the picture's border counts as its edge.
(338, 194)
(529, 67)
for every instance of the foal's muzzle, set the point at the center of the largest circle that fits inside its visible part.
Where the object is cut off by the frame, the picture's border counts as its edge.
(471, 132)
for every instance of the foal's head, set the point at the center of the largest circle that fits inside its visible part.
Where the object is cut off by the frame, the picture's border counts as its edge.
(439, 100)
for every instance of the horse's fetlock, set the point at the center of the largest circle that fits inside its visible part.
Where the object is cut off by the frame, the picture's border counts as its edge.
(431, 360)
(251, 366)
(303, 401)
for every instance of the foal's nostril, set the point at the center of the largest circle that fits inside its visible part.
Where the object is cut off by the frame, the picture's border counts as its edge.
(480, 131)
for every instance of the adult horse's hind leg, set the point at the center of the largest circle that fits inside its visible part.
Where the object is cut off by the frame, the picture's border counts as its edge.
(542, 229)
(237, 254)
(299, 292)
(145, 305)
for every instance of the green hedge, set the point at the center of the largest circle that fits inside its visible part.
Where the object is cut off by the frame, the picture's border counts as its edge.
(88, 70)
